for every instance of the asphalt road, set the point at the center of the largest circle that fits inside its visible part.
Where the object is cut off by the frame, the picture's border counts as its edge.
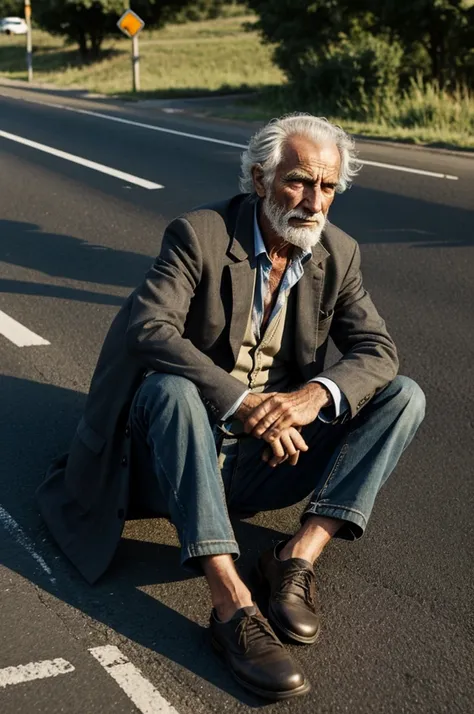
(74, 241)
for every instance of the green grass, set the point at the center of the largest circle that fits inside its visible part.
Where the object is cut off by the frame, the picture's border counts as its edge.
(219, 56)
(184, 59)
(424, 115)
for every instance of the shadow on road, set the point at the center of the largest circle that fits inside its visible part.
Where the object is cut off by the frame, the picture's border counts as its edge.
(26, 245)
(21, 287)
(373, 220)
(381, 217)
(38, 421)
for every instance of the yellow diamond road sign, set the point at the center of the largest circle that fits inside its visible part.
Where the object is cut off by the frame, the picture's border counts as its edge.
(130, 23)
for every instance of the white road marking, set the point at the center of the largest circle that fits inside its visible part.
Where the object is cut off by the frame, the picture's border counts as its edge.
(154, 127)
(142, 693)
(394, 167)
(34, 670)
(143, 183)
(12, 527)
(232, 144)
(17, 333)
(199, 137)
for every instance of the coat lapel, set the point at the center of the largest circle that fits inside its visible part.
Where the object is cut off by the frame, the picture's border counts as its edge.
(308, 302)
(242, 274)
(242, 277)
(242, 280)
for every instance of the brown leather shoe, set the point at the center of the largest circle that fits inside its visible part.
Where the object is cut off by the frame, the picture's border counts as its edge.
(293, 608)
(256, 657)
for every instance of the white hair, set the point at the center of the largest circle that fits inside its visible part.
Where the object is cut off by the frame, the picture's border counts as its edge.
(265, 147)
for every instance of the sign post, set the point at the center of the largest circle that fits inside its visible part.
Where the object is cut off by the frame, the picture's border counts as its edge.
(131, 25)
(136, 63)
(29, 41)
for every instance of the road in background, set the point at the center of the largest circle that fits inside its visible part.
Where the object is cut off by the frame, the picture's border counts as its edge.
(74, 241)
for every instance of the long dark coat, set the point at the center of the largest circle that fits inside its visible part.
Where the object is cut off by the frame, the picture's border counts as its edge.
(188, 317)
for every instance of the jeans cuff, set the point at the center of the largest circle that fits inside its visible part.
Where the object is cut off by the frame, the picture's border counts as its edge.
(191, 552)
(354, 524)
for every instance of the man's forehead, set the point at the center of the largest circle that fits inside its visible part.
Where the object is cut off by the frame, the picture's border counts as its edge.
(303, 154)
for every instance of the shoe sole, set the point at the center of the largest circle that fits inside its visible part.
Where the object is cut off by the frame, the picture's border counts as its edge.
(300, 639)
(264, 693)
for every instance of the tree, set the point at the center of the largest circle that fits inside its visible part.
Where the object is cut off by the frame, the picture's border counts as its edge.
(84, 22)
(440, 30)
(202, 10)
(88, 22)
(444, 28)
(300, 28)
(11, 8)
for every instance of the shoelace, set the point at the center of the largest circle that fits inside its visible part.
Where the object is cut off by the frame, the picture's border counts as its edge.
(292, 580)
(252, 628)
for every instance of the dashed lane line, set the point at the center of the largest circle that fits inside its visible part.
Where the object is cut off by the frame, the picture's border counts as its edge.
(212, 140)
(142, 693)
(81, 161)
(17, 333)
(131, 681)
(34, 670)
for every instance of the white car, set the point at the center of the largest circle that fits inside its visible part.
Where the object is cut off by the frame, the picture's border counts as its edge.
(13, 26)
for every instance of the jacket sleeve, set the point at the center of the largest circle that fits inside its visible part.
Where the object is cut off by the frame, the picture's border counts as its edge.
(369, 357)
(158, 314)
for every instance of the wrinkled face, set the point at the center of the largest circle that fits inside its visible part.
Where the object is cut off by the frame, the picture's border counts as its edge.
(297, 201)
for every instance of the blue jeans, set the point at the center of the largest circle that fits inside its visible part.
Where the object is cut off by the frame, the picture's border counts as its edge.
(186, 469)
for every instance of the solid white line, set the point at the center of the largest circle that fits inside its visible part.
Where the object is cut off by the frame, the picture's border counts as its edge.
(129, 178)
(34, 670)
(12, 527)
(395, 167)
(153, 127)
(17, 333)
(142, 693)
(199, 137)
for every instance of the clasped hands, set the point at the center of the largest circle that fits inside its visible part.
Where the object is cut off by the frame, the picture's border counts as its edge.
(278, 418)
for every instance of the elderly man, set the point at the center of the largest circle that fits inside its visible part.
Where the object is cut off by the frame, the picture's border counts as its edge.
(211, 395)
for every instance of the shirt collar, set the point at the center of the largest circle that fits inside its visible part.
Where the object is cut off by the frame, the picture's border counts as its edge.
(259, 244)
(299, 255)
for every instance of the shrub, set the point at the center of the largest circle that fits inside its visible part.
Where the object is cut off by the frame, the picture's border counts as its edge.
(427, 105)
(358, 78)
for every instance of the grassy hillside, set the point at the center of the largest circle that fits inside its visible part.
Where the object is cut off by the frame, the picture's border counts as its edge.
(196, 57)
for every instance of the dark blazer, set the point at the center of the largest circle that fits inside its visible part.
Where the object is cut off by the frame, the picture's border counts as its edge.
(188, 317)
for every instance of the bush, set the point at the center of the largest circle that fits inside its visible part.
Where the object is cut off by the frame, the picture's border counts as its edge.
(437, 36)
(358, 78)
(209, 10)
(427, 105)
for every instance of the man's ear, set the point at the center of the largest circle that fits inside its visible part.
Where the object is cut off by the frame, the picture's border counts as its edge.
(257, 176)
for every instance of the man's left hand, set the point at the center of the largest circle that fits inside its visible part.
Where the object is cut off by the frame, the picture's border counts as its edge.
(287, 447)
(282, 411)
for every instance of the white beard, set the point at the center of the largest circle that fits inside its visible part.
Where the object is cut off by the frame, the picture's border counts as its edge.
(304, 237)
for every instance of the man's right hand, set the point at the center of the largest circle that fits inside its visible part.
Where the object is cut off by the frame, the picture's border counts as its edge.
(251, 402)
(287, 446)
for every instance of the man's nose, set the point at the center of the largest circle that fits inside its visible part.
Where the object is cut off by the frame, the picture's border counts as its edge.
(313, 199)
